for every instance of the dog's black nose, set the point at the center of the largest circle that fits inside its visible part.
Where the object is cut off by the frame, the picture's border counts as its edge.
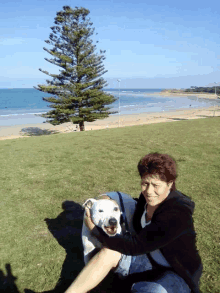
(112, 222)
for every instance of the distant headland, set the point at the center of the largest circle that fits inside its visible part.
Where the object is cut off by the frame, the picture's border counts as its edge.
(201, 92)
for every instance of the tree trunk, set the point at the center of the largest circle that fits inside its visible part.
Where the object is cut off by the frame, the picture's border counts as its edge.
(81, 126)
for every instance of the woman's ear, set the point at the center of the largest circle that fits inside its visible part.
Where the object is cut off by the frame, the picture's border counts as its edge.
(170, 184)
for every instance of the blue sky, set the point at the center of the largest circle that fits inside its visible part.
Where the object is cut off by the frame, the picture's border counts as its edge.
(167, 44)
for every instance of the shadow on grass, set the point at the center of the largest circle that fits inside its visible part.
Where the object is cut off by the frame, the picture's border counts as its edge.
(36, 131)
(66, 229)
(176, 119)
(7, 281)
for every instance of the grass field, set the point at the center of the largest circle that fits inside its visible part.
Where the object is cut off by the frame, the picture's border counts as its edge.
(38, 174)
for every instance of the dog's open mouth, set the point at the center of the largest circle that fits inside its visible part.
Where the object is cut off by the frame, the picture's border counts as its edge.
(110, 230)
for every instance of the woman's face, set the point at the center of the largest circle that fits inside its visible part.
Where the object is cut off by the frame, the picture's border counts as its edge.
(154, 190)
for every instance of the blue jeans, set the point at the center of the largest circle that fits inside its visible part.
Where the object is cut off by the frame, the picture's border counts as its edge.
(169, 282)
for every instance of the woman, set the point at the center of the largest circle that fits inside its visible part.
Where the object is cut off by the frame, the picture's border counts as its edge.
(162, 256)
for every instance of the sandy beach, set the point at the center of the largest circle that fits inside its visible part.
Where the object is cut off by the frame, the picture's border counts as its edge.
(27, 130)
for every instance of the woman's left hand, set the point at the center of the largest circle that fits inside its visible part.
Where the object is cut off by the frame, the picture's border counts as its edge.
(87, 219)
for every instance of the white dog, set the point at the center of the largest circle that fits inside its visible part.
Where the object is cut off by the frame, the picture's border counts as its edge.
(106, 214)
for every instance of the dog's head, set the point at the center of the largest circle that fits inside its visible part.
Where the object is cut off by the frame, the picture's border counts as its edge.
(105, 213)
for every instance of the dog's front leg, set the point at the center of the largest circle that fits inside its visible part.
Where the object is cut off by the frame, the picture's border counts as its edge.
(90, 244)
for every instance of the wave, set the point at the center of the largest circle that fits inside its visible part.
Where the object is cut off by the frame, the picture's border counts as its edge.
(21, 114)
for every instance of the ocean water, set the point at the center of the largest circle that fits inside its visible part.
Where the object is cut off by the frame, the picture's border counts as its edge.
(23, 106)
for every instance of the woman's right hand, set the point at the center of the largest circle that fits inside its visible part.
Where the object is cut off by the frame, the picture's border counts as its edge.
(88, 220)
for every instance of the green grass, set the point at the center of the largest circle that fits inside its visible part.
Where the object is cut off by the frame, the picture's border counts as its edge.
(39, 173)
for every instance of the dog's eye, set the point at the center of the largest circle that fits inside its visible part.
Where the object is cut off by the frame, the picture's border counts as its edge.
(115, 209)
(101, 211)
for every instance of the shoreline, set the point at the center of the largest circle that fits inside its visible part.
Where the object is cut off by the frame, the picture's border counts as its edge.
(37, 129)
(184, 94)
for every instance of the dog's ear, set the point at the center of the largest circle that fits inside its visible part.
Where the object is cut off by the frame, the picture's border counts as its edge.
(89, 203)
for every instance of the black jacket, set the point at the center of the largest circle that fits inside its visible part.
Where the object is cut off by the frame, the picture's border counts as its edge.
(171, 230)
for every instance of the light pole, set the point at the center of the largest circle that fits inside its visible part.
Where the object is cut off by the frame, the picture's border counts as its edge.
(118, 80)
(215, 96)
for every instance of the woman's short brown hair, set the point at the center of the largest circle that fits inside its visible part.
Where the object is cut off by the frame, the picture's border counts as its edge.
(162, 165)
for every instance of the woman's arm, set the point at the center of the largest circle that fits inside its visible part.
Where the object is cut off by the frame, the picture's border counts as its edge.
(167, 224)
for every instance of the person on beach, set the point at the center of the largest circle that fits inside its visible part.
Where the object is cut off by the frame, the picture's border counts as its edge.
(162, 256)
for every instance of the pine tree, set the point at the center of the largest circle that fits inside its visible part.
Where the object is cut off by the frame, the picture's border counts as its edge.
(77, 91)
